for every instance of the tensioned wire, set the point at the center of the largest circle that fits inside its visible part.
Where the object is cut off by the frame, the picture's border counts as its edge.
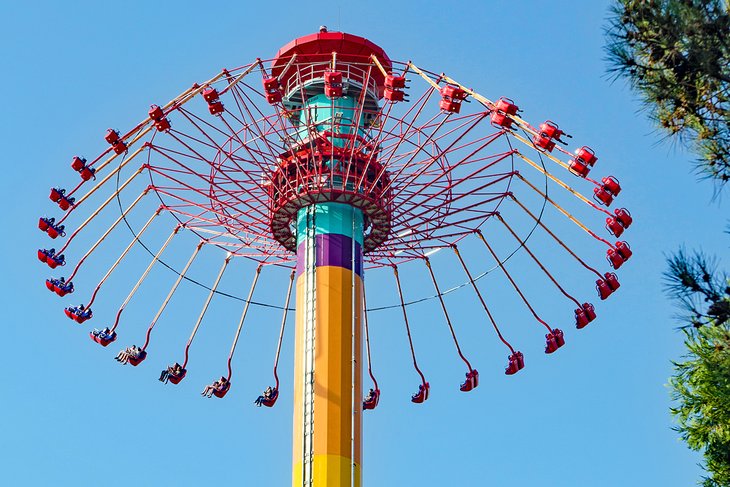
(377, 308)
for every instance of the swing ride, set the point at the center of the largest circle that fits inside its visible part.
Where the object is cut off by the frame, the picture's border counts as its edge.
(328, 160)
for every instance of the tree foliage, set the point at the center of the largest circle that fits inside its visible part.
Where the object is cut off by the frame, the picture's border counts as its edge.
(701, 383)
(676, 54)
(701, 388)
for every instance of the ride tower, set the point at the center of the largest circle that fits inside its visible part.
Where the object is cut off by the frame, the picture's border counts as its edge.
(338, 165)
(329, 204)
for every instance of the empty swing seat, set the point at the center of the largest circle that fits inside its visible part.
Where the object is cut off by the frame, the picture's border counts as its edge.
(515, 364)
(422, 393)
(586, 155)
(607, 285)
(56, 194)
(395, 82)
(44, 223)
(271, 400)
(394, 95)
(579, 168)
(554, 340)
(156, 112)
(602, 195)
(623, 217)
(500, 116)
(614, 226)
(371, 402)
(584, 315)
(87, 173)
(78, 163)
(103, 339)
(611, 184)
(65, 202)
(333, 84)
(472, 381)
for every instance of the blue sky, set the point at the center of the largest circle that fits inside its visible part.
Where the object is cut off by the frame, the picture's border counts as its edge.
(595, 414)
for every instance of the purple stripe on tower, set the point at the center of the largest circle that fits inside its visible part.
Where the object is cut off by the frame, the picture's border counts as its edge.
(332, 249)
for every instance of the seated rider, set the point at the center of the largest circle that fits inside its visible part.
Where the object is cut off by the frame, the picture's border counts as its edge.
(217, 386)
(103, 334)
(371, 396)
(175, 369)
(222, 384)
(265, 397)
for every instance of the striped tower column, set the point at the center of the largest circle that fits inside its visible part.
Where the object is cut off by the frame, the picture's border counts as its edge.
(327, 379)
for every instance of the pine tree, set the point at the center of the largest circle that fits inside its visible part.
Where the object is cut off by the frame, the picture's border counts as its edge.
(701, 383)
(676, 55)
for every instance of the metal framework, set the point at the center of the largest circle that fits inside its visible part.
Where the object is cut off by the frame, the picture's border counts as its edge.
(331, 159)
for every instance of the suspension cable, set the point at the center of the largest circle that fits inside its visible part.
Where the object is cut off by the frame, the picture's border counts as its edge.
(123, 254)
(537, 261)
(98, 210)
(367, 340)
(101, 183)
(205, 307)
(408, 328)
(560, 183)
(144, 275)
(512, 281)
(243, 318)
(169, 295)
(481, 299)
(564, 211)
(446, 313)
(283, 324)
(555, 237)
(106, 234)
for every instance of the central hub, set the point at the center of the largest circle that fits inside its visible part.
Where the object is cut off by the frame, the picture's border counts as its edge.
(330, 100)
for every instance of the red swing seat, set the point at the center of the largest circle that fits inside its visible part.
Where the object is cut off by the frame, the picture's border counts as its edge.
(554, 340)
(372, 402)
(614, 226)
(176, 378)
(422, 393)
(472, 381)
(333, 84)
(86, 173)
(136, 361)
(64, 202)
(623, 217)
(78, 163)
(271, 400)
(43, 224)
(515, 364)
(602, 195)
(55, 194)
(55, 261)
(221, 392)
(611, 184)
(579, 168)
(63, 290)
(500, 115)
(586, 155)
(103, 341)
(584, 315)
(607, 285)
(42, 255)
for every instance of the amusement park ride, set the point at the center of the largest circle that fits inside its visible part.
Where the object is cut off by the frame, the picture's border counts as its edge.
(329, 160)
